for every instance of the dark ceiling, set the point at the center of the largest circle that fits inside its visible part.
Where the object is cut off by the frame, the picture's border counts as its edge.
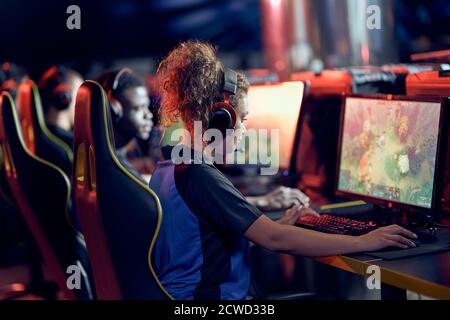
(35, 31)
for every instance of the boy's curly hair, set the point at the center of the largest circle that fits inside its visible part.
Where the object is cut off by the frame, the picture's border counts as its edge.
(191, 78)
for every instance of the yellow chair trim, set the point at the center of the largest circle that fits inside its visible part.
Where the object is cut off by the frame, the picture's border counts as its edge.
(141, 184)
(44, 162)
(43, 125)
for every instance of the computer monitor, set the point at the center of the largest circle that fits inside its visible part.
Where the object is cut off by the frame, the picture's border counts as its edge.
(274, 106)
(389, 150)
(317, 150)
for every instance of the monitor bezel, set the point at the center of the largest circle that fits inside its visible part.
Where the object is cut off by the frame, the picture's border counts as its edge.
(440, 153)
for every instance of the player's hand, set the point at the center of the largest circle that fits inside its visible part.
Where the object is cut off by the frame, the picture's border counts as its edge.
(292, 215)
(390, 236)
(282, 198)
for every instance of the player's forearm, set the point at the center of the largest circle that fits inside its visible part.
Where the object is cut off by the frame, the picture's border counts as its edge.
(299, 241)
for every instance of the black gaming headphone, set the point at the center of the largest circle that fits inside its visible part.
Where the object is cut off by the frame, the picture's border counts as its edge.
(54, 89)
(222, 115)
(7, 81)
(110, 82)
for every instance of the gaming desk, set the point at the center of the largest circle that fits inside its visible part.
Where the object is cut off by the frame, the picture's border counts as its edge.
(427, 274)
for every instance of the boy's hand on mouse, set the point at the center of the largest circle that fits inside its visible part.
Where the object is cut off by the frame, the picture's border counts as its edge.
(390, 236)
(292, 215)
(282, 198)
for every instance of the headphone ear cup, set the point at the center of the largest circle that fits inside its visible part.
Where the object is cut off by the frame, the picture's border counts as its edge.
(116, 109)
(9, 85)
(61, 100)
(222, 117)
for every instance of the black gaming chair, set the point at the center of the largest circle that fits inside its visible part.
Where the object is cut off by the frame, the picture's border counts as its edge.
(16, 231)
(39, 140)
(5, 192)
(42, 192)
(120, 216)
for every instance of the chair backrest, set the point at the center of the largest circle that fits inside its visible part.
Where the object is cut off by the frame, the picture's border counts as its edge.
(120, 216)
(42, 192)
(38, 139)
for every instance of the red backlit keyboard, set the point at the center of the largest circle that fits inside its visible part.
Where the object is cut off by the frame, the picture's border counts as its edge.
(335, 224)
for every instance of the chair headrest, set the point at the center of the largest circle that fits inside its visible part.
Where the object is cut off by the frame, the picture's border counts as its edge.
(32, 116)
(10, 132)
(92, 127)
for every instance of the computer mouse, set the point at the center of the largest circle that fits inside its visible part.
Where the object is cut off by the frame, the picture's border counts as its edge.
(416, 241)
(425, 238)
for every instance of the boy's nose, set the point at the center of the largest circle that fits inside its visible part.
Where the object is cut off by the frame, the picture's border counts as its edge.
(148, 115)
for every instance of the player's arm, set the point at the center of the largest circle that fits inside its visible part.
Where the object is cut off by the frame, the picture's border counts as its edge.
(300, 241)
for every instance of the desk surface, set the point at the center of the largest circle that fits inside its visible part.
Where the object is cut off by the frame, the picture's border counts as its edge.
(427, 274)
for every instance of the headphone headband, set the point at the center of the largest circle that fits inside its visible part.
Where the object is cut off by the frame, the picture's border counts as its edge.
(110, 85)
(115, 83)
(229, 81)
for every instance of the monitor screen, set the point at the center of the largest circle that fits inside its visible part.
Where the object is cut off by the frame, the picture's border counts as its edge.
(389, 150)
(274, 106)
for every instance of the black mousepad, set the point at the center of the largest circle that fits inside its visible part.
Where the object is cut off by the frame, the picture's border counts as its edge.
(393, 254)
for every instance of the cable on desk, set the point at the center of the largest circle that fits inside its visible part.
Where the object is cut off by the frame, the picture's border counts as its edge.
(440, 225)
(445, 226)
